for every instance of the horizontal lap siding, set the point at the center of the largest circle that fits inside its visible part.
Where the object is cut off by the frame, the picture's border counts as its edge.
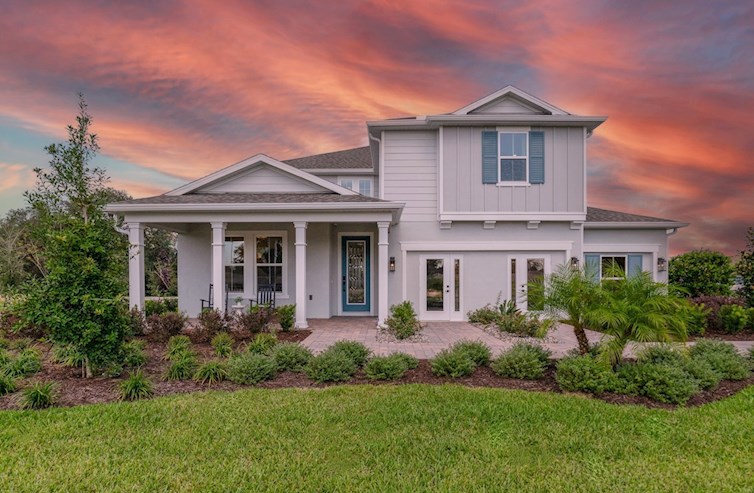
(562, 191)
(410, 173)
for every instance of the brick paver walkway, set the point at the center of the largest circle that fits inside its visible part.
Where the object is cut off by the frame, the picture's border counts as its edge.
(439, 336)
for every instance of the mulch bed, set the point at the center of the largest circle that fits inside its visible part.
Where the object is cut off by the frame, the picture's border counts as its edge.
(74, 390)
(713, 334)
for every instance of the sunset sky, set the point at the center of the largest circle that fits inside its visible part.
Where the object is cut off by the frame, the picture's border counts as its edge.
(179, 89)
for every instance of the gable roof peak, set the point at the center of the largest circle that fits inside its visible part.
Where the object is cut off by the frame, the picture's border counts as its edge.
(516, 93)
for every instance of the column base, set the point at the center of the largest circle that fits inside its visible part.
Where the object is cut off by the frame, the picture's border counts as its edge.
(301, 325)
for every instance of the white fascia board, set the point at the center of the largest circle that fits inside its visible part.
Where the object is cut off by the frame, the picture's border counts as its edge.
(512, 216)
(342, 171)
(543, 105)
(621, 248)
(434, 121)
(634, 225)
(485, 246)
(253, 161)
(250, 207)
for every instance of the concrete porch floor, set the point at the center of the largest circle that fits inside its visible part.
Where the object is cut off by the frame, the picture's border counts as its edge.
(440, 335)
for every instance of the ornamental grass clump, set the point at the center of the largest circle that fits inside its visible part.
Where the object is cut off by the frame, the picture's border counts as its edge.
(137, 386)
(262, 343)
(177, 345)
(525, 361)
(182, 366)
(222, 343)
(331, 366)
(354, 350)
(389, 367)
(251, 368)
(27, 363)
(39, 395)
(133, 354)
(211, 372)
(291, 356)
(7, 384)
(67, 355)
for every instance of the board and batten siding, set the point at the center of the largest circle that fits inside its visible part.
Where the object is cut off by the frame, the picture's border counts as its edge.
(410, 173)
(562, 191)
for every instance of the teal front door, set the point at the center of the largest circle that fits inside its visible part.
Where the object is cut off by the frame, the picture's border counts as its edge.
(355, 274)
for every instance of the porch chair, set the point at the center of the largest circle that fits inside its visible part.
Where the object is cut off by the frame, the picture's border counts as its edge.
(265, 296)
(208, 303)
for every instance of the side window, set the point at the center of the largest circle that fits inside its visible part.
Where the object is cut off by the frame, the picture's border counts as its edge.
(365, 187)
(233, 260)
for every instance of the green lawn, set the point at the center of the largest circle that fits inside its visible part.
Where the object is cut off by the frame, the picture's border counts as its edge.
(382, 438)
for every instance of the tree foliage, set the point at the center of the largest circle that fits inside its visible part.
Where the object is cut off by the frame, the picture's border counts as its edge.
(745, 268)
(702, 273)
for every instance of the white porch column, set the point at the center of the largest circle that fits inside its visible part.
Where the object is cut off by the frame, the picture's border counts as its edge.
(218, 269)
(382, 268)
(136, 265)
(301, 322)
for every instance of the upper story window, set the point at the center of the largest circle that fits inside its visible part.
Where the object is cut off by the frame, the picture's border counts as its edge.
(233, 260)
(514, 157)
(360, 185)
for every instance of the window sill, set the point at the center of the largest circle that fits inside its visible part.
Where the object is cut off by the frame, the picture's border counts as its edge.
(513, 184)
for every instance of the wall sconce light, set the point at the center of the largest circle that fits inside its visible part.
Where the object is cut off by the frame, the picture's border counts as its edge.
(662, 265)
(574, 261)
(391, 264)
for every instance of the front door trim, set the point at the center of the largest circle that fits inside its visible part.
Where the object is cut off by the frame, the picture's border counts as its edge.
(342, 236)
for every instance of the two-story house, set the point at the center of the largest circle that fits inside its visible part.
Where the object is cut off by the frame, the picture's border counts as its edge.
(449, 211)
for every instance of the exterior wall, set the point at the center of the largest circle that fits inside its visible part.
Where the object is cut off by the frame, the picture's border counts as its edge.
(410, 172)
(650, 243)
(562, 191)
(507, 105)
(336, 232)
(194, 268)
(262, 179)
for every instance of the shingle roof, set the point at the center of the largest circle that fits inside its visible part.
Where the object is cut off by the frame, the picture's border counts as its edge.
(595, 215)
(357, 158)
(251, 198)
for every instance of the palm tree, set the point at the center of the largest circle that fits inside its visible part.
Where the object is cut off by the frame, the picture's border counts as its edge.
(571, 295)
(638, 309)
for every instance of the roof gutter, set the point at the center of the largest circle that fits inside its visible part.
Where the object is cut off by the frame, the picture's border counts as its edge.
(635, 225)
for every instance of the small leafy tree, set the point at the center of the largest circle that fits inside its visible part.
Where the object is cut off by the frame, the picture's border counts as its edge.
(745, 268)
(702, 273)
(79, 302)
(571, 295)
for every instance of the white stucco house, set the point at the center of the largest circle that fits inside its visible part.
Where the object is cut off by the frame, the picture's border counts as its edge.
(448, 211)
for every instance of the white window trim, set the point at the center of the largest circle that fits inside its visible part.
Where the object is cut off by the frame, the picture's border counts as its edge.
(253, 274)
(232, 264)
(356, 183)
(500, 157)
(625, 263)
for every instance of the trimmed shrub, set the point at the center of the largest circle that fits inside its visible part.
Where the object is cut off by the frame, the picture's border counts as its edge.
(222, 343)
(722, 357)
(403, 322)
(697, 319)
(733, 318)
(211, 323)
(476, 351)
(136, 386)
(39, 395)
(137, 322)
(389, 367)
(251, 368)
(7, 384)
(262, 343)
(584, 374)
(713, 304)
(182, 366)
(285, 316)
(703, 373)
(291, 356)
(750, 319)
(211, 372)
(177, 345)
(28, 362)
(454, 364)
(331, 366)
(159, 307)
(525, 361)
(702, 272)
(133, 353)
(662, 354)
(68, 356)
(164, 326)
(256, 320)
(661, 382)
(356, 351)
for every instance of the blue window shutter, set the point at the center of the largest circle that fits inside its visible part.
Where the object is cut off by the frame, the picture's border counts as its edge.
(634, 265)
(536, 157)
(592, 266)
(489, 157)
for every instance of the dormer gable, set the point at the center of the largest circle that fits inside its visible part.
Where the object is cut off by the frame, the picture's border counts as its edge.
(260, 174)
(510, 100)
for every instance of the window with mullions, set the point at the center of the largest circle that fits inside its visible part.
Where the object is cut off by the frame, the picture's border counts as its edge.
(269, 262)
(233, 259)
(514, 157)
(613, 267)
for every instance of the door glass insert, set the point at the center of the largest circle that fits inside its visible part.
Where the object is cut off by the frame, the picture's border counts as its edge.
(514, 293)
(457, 284)
(356, 271)
(535, 274)
(435, 284)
